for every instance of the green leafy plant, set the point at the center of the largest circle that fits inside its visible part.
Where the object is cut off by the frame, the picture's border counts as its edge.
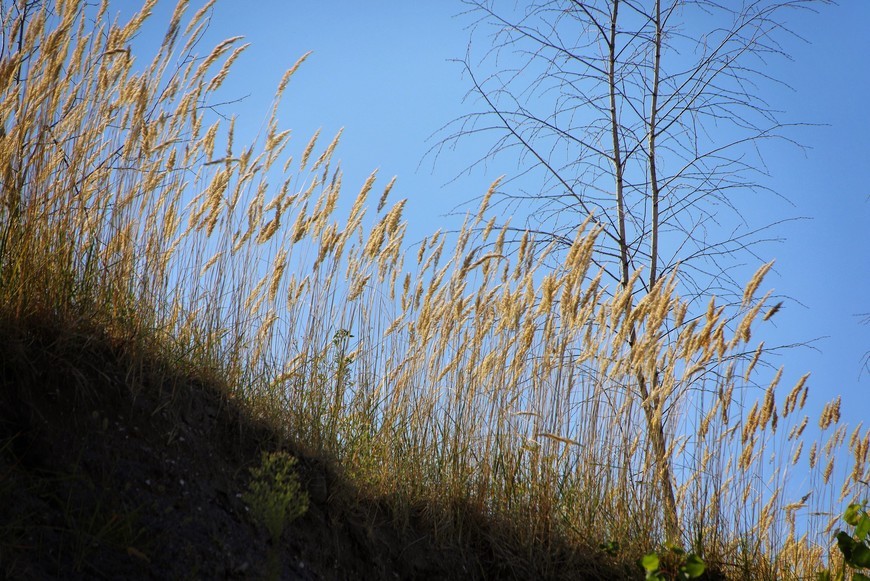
(610, 547)
(274, 494)
(672, 564)
(855, 548)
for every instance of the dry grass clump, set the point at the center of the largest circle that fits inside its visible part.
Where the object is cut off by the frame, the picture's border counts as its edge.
(470, 376)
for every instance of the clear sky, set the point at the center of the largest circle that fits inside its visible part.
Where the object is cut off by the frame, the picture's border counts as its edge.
(382, 70)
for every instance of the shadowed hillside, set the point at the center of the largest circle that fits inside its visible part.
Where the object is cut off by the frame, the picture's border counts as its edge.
(117, 463)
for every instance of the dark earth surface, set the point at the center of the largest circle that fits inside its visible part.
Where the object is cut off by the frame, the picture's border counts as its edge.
(114, 465)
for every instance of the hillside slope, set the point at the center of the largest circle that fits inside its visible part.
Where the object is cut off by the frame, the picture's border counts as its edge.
(117, 465)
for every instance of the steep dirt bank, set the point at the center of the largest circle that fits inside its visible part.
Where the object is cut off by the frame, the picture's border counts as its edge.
(117, 465)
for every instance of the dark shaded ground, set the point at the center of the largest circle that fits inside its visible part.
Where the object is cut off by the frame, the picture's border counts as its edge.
(115, 465)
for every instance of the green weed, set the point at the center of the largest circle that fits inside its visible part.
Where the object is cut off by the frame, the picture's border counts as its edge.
(854, 546)
(672, 564)
(275, 495)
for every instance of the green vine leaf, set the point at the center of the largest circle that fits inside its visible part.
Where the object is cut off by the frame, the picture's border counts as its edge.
(650, 562)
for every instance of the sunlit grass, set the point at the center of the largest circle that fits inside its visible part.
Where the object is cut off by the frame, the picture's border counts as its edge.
(459, 372)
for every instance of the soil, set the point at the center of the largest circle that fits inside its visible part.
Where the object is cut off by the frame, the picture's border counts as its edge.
(117, 465)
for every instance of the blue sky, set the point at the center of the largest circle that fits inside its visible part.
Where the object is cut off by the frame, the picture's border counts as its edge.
(382, 70)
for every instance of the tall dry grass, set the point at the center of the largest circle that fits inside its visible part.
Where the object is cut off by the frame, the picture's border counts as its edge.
(459, 371)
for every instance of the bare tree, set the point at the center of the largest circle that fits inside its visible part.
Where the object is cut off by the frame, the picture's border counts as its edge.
(865, 359)
(645, 114)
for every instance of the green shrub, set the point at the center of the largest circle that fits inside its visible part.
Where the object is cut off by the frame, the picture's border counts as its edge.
(673, 564)
(855, 549)
(274, 494)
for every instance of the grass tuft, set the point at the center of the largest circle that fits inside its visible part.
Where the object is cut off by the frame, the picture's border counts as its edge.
(503, 402)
